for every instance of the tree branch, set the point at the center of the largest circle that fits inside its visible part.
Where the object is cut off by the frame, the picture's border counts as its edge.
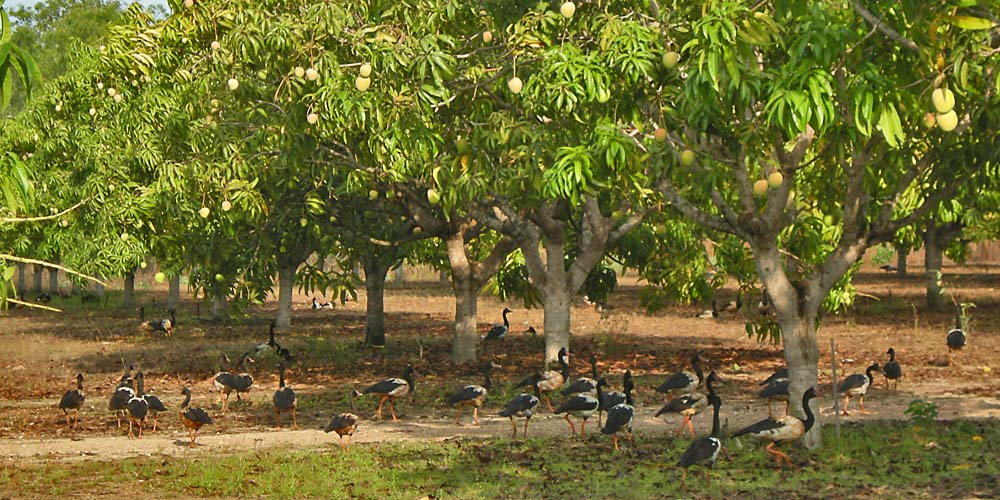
(49, 264)
(694, 213)
(44, 217)
(884, 28)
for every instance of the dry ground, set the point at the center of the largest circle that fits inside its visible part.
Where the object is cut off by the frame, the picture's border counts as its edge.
(44, 351)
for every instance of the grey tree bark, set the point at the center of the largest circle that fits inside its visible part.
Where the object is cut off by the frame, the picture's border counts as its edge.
(36, 277)
(286, 287)
(375, 273)
(465, 341)
(53, 281)
(936, 238)
(933, 257)
(220, 307)
(902, 252)
(22, 277)
(174, 293)
(128, 292)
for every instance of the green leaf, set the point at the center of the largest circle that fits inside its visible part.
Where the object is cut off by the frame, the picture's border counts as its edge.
(6, 34)
(890, 126)
(969, 22)
(7, 87)
(30, 74)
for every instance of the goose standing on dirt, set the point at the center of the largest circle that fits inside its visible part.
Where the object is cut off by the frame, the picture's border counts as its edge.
(522, 406)
(73, 400)
(733, 305)
(583, 385)
(473, 395)
(549, 380)
(155, 407)
(321, 305)
(857, 385)
(892, 370)
(271, 346)
(620, 418)
(122, 394)
(780, 373)
(704, 450)
(165, 326)
(284, 399)
(709, 313)
(764, 306)
(582, 406)
(684, 381)
(777, 389)
(956, 338)
(500, 331)
(390, 389)
(612, 398)
(690, 404)
(192, 418)
(227, 382)
(782, 429)
(137, 407)
(344, 424)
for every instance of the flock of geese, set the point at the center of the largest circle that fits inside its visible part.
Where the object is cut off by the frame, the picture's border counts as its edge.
(129, 400)
(583, 397)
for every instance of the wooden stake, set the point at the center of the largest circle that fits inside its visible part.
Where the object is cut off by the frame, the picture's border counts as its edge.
(836, 397)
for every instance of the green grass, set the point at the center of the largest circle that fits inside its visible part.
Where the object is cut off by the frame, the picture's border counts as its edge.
(945, 460)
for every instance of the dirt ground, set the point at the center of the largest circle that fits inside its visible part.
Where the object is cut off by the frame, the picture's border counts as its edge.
(44, 351)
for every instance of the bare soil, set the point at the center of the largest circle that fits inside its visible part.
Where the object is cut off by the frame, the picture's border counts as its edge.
(44, 351)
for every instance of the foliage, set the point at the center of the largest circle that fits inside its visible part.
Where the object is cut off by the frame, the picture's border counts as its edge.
(922, 412)
(53, 30)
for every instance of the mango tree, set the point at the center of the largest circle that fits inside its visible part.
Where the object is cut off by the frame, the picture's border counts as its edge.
(796, 127)
(570, 180)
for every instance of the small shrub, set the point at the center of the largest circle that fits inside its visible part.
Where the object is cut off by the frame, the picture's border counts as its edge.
(922, 412)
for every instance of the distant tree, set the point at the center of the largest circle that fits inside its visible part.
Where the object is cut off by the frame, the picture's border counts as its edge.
(52, 28)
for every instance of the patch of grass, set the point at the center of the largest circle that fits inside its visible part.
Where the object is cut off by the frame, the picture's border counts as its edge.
(945, 460)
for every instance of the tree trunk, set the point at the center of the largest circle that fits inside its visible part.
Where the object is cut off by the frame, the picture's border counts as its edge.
(375, 314)
(802, 357)
(22, 277)
(286, 286)
(36, 281)
(53, 281)
(901, 254)
(220, 307)
(398, 275)
(128, 294)
(933, 258)
(443, 278)
(174, 293)
(463, 346)
(99, 287)
(557, 302)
